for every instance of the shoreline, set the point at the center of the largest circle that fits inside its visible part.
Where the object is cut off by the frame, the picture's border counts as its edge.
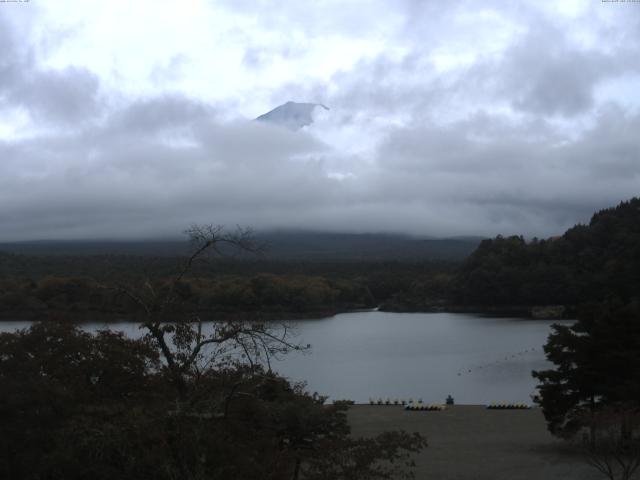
(536, 312)
(122, 317)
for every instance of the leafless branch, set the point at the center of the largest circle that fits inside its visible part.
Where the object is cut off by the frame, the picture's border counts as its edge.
(613, 446)
(183, 341)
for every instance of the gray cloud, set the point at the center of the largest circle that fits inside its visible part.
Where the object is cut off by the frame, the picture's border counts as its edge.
(52, 96)
(555, 77)
(67, 96)
(120, 181)
(511, 140)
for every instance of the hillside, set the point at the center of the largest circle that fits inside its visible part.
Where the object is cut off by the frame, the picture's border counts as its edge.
(588, 263)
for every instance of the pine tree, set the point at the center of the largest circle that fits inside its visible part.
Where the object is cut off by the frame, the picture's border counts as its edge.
(597, 365)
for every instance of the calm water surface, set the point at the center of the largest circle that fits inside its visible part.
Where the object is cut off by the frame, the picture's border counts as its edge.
(366, 355)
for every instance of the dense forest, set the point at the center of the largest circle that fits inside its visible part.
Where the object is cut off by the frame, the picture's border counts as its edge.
(589, 262)
(85, 286)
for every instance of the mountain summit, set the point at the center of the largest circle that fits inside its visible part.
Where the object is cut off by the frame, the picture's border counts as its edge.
(291, 115)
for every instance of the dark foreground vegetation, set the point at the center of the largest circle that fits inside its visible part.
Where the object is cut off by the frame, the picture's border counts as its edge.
(180, 403)
(78, 406)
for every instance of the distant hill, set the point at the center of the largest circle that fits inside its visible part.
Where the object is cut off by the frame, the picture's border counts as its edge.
(291, 115)
(283, 245)
(161, 248)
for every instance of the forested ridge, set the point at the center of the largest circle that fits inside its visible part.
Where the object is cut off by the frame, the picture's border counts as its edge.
(588, 263)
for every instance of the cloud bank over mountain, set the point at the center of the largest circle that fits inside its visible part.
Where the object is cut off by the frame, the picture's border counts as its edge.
(444, 120)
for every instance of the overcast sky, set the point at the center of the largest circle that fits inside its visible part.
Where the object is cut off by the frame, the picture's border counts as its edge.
(123, 119)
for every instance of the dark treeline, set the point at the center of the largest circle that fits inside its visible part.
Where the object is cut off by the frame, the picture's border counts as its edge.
(76, 406)
(588, 263)
(85, 286)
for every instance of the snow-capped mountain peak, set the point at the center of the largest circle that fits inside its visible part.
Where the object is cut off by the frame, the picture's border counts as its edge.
(292, 115)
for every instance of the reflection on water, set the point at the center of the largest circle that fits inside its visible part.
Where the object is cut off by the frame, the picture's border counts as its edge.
(419, 355)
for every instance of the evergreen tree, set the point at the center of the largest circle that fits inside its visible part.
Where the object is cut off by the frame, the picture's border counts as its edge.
(597, 365)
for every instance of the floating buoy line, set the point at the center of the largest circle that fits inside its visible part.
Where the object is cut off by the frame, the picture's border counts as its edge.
(506, 358)
(409, 404)
(508, 406)
(388, 401)
(431, 407)
(438, 407)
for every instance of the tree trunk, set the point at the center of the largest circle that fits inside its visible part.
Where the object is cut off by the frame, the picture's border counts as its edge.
(296, 471)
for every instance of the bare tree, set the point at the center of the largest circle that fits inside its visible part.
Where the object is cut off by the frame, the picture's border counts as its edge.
(179, 334)
(210, 409)
(612, 445)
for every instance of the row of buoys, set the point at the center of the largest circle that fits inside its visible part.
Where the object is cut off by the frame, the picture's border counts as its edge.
(506, 358)
(388, 401)
(508, 406)
(424, 407)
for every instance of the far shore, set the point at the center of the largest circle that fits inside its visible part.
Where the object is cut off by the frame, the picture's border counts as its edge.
(535, 312)
(122, 317)
(551, 312)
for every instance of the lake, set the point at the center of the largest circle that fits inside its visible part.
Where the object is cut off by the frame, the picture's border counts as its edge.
(363, 355)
